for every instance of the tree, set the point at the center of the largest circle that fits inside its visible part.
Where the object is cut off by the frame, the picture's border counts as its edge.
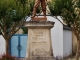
(12, 17)
(69, 10)
(25, 30)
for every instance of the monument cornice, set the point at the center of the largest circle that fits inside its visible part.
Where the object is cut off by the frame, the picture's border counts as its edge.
(39, 24)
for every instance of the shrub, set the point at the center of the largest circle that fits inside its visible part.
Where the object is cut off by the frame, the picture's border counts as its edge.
(7, 57)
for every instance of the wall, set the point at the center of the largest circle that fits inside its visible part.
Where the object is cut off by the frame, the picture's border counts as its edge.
(61, 39)
(67, 42)
(2, 45)
(57, 37)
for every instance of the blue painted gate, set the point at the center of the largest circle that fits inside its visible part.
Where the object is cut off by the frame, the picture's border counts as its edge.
(18, 45)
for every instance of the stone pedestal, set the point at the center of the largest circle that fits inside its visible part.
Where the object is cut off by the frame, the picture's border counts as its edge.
(39, 39)
(39, 19)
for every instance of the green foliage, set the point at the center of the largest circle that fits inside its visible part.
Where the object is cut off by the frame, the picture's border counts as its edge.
(25, 30)
(66, 9)
(53, 7)
(12, 10)
(12, 15)
(58, 5)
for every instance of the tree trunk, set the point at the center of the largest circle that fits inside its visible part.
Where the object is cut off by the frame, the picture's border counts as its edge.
(7, 47)
(79, 46)
(77, 53)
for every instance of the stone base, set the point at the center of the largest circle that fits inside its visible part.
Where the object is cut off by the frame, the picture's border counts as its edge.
(39, 19)
(36, 58)
(39, 38)
(41, 58)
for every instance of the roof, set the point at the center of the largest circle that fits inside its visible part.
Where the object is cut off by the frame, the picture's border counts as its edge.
(66, 27)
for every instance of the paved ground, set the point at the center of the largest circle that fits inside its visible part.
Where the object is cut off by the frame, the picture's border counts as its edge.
(71, 58)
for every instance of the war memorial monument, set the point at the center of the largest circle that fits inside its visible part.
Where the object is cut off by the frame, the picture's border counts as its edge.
(39, 34)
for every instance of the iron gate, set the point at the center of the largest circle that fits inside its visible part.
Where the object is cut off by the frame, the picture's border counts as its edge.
(18, 45)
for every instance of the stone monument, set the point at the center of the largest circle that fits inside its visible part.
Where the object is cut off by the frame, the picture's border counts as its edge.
(39, 35)
(36, 5)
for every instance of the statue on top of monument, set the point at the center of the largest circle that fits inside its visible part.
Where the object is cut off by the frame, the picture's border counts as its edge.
(36, 5)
